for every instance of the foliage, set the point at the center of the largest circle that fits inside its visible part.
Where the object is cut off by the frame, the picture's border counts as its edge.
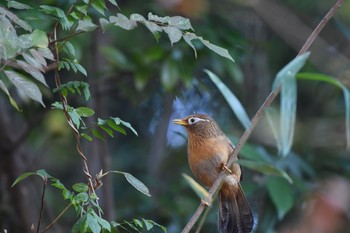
(31, 48)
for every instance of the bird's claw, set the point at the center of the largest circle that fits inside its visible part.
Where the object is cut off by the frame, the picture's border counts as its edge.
(224, 167)
(206, 203)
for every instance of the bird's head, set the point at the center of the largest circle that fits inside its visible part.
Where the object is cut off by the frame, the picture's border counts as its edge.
(200, 125)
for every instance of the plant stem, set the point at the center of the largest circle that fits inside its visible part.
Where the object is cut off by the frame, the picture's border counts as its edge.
(56, 219)
(42, 204)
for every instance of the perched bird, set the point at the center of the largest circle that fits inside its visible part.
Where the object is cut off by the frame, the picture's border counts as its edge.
(208, 151)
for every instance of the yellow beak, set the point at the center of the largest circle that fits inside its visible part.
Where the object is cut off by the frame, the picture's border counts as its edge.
(180, 122)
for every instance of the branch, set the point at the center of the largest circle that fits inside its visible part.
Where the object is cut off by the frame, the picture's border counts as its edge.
(256, 119)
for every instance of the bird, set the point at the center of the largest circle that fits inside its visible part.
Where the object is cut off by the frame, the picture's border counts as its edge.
(208, 150)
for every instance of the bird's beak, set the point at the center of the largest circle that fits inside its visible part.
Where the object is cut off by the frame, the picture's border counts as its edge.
(180, 122)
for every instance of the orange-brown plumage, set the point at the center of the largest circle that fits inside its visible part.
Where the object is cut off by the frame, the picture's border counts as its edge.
(208, 151)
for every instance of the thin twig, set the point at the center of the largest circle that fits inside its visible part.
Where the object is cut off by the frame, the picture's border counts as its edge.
(42, 204)
(56, 219)
(256, 119)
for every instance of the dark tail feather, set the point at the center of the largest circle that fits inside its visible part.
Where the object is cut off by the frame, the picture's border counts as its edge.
(235, 215)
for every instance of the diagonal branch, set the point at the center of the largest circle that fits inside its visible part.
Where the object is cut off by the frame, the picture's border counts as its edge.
(257, 118)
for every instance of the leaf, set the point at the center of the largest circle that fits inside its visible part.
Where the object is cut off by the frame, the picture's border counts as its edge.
(136, 183)
(218, 50)
(22, 177)
(265, 168)
(180, 22)
(122, 21)
(12, 101)
(81, 197)
(57, 12)
(281, 195)
(80, 187)
(346, 93)
(105, 24)
(46, 52)
(111, 123)
(231, 99)
(201, 192)
(42, 173)
(23, 24)
(93, 224)
(126, 124)
(174, 34)
(27, 87)
(103, 223)
(10, 43)
(70, 48)
(33, 71)
(18, 5)
(188, 37)
(40, 39)
(85, 111)
(99, 5)
(286, 79)
(113, 2)
(86, 26)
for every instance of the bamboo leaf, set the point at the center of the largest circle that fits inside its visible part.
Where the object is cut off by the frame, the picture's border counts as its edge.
(231, 99)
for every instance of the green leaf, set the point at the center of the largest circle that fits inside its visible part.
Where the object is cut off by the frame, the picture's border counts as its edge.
(286, 79)
(80, 187)
(197, 188)
(81, 198)
(174, 34)
(281, 195)
(12, 101)
(218, 50)
(93, 224)
(57, 183)
(70, 48)
(122, 21)
(137, 184)
(25, 86)
(40, 39)
(57, 12)
(346, 93)
(86, 136)
(231, 99)
(149, 225)
(99, 5)
(18, 5)
(86, 26)
(103, 223)
(265, 168)
(85, 111)
(107, 130)
(22, 177)
(111, 123)
(97, 134)
(81, 225)
(66, 194)
(126, 124)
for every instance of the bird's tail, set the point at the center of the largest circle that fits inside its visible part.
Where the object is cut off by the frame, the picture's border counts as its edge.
(235, 215)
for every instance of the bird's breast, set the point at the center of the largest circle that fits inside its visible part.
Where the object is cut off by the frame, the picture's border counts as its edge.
(206, 157)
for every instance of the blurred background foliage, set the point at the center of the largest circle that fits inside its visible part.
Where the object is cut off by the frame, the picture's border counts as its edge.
(147, 82)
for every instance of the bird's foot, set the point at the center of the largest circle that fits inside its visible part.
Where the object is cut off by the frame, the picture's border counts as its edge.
(224, 167)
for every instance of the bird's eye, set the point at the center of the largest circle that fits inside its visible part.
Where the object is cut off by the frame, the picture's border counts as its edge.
(192, 120)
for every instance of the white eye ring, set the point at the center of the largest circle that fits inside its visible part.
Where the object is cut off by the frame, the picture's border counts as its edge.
(194, 120)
